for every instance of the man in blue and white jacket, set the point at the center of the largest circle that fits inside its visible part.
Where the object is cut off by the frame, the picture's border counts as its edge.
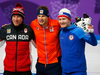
(72, 42)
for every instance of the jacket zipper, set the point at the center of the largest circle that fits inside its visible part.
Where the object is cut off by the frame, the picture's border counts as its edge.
(16, 51)
(68, 60)
(67, 56)
(45, 46)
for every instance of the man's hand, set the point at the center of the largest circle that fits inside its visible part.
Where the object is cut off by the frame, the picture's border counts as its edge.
(4, 25)
(91, 28)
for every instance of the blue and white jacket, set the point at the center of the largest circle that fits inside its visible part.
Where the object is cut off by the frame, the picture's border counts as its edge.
(72, 42)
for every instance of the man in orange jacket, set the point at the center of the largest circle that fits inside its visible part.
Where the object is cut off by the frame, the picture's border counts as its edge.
(47, 40)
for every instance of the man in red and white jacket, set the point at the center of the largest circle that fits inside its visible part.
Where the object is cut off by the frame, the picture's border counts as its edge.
(17, 36)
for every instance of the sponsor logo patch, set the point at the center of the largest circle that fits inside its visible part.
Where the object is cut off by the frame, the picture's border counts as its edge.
(8, 30)
(37, 28)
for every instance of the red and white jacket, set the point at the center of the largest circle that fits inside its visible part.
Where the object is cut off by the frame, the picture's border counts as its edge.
(17, 57)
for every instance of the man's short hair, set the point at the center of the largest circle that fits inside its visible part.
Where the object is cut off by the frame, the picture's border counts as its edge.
(43, 7)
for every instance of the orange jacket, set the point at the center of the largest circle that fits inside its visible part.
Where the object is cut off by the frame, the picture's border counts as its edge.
(47, 41)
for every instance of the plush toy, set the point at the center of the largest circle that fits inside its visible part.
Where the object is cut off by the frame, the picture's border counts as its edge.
(78, 22)
(84, 23)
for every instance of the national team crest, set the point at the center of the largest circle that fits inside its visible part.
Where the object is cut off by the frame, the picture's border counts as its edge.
(8, 30)
(41, 11)
(71, 37)
(51, 29)
(25, 30)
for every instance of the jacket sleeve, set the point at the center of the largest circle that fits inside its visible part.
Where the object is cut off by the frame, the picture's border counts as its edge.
(34, 43)
(32, 34)
(91, 39)
(2, 43)
(2, 33)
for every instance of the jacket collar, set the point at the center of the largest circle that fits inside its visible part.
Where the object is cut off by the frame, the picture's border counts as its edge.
(17, 27)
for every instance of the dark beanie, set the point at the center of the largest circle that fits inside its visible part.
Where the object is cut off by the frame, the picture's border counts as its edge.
(85, 15)
(18, 10)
